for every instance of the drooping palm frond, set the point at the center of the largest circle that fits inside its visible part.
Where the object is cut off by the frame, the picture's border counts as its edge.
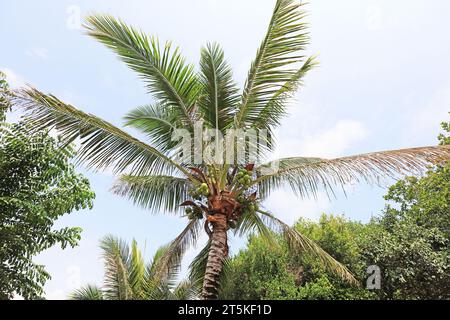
(252, 222)
(306, 175)
(175, 250)
(300, 243)
(127, 277)
(185, 291)
(154, 193)
(219, 94)
(158, 123)
(274, 66)
(168, 78)
(153, 268)
(157, 287)
(198, 266)
(116, 255)
(103, 146)
(88, 292)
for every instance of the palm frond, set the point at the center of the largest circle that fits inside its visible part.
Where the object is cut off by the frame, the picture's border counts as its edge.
(153, 268)
(168, 77)
(157, 287)
(154, 193)
(300, 243)
(251, 222)
(272, 113)
(136, 270)
(198, 266)
(116, 255)
(158, 123)
(103, 146)
(88, 292)
(175, 250)
(306, 175)
(219, 95)
(185, 290)
(273, 68)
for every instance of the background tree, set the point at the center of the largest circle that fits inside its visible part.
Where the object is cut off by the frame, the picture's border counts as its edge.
(38, 184)
(412, 246)
(5, 97)
(218, 195)
(263, 271)
(127, 277)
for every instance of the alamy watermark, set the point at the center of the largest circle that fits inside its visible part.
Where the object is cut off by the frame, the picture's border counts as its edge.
(373, 282)
(213, 147)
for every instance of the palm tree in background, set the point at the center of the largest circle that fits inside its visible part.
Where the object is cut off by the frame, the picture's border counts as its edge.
(127, 277)
(218, 198)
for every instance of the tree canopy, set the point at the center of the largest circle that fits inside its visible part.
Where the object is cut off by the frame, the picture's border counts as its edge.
(38, 184)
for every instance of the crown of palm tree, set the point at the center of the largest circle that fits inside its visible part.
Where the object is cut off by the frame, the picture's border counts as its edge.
(152, 175)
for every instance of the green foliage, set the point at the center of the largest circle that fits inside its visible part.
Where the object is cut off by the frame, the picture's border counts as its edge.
(444, 138)
(38, 185)
(161, 175)
(412, 247)
(5, 95)
(264, 272)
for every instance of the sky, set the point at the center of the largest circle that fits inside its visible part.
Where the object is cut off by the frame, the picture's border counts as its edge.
(383, 83)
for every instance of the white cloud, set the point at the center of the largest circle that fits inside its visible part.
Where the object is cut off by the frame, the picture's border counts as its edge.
(334, 141)
(289, 208)
(36, 52)
(302, 139)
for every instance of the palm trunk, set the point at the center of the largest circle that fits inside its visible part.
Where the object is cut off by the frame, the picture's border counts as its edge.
(216, 257)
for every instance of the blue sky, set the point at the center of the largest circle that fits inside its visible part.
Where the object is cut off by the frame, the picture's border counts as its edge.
(383, 83)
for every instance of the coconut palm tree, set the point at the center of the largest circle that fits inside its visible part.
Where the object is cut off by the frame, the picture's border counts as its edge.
(157, 173)
(127, 277)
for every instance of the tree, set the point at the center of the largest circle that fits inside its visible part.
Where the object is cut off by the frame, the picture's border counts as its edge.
(263, 271)
(218, 192)
(5, 95)
(38, 184)
(412, 246)
(127, 277)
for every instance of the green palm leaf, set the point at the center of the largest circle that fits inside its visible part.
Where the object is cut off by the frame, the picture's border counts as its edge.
(300, 243)
(173, 83)
(219, 95)
(158, 123)
(273, 68)
(117, 284)
(136, 270)
(103, 145)
(185, 291)
(88, 292)
(154, 193)
(176, 249)
(251, 222)
(198, 266)
(274, 110)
